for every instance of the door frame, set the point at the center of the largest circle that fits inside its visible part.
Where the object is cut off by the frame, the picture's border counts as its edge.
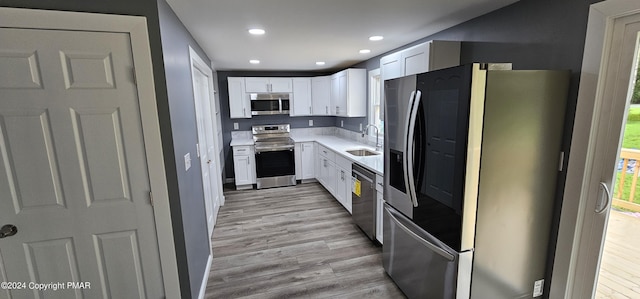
(591, 104)
(136, 27)
(197, 63)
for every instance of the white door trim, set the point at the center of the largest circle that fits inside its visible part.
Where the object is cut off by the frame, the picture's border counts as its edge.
(590, 101)
(137, 28)
(198, 62)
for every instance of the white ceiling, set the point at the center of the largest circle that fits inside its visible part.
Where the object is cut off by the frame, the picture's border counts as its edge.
(301, 32)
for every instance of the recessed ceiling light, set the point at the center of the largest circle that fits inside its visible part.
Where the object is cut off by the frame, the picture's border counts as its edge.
(320, 63)
(256, 31)
(254, 61)
(365, 51)
(376, 38)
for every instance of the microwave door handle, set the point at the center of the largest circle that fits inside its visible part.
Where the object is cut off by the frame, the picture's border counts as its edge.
(411, 148)
(405, 160)
(280, 104)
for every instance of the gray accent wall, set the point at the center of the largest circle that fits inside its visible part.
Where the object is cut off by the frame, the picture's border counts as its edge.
(188, 245)
(177, 68)
(244, 124)
(531, 34)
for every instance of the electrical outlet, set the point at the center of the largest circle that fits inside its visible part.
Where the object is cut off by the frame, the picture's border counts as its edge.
(538, 288)
(235, 126)
(187, 161)
(311, 123)
(342, 123)
(360, 127)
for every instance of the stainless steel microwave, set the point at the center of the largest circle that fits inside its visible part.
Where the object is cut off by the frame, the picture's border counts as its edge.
(269, 103)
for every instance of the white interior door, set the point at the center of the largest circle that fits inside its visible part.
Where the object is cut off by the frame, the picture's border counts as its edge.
(609, 120)
(211, 176)
(73, 168)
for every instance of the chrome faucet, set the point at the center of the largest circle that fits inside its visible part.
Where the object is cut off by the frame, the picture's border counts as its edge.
(365, 130)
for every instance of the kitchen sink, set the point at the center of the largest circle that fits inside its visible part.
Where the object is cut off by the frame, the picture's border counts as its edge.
(362, 152)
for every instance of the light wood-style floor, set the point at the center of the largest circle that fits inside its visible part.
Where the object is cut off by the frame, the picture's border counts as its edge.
(620, 266)
(293, 242)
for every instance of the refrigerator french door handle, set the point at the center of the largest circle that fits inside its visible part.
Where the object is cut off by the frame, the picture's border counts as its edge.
(410, 149)
(405, 157)
(426, 243)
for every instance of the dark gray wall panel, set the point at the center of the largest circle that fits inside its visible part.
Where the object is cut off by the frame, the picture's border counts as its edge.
(177, 64)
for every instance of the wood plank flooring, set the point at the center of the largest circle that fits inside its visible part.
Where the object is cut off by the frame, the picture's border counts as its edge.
(619, 275)
(293, 242)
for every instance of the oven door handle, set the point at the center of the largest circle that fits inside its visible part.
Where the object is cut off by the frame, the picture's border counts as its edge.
(275, 149)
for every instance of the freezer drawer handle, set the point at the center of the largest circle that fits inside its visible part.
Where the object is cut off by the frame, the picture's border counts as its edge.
(431, 246)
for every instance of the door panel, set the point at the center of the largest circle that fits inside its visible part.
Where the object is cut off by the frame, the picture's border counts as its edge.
(53, 260)
(73, 161)
(101, 154)
(26, 140)
(119, 263)
(25, 70)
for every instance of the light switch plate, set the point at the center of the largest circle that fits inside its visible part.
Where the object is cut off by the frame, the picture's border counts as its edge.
(311, 123)
(235, 126)
(361, 127)
(342, 123)
(187, 161)
(538, 288)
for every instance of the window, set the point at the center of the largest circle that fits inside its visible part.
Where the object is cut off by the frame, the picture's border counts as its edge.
(376, 104)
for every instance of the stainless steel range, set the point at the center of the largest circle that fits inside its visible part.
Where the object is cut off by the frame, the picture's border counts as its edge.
(275, 160)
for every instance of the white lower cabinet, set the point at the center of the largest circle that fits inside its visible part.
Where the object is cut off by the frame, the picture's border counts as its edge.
(379, 207)
(244, 166)
(334, 173)
(327, 174)
(305, 161)
(343, 189)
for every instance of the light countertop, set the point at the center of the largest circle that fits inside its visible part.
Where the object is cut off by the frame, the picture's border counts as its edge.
(241, 141)
(336, 144)
(341, 146)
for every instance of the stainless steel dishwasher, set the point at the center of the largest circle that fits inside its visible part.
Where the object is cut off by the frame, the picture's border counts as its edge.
(363, 198)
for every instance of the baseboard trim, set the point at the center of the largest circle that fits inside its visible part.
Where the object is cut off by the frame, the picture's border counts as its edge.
(203, 286)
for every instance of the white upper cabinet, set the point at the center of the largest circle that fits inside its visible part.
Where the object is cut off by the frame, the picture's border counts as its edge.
(321, 95)
(301, 98)
(428, 56)
(390, 66)
(263, 84)
(348, 93)
(239, 102)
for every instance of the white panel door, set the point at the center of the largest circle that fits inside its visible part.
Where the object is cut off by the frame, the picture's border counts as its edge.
(206, 146)
(73, 169)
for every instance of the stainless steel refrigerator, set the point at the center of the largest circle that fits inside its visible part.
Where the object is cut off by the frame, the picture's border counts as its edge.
(472, 155)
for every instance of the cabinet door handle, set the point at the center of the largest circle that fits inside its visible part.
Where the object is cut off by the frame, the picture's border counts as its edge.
(309, 110)
(247, 161)
(244, 111)
(326, 108)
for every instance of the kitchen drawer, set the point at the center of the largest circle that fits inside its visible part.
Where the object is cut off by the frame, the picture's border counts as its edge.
(343, 162)
(243, 150)
(379, 183)
(326, 152)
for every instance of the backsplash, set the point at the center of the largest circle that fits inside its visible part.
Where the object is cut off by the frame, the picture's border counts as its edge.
(332, 131)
